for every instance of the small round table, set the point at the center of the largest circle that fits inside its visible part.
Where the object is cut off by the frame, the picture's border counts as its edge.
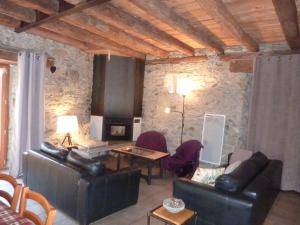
(180, 218)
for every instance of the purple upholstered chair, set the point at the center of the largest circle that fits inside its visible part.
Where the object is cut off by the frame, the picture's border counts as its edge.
(185, 160)
(152, 140)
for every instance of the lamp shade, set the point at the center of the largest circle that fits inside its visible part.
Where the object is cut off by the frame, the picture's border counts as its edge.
(67, 124)
(184, 86)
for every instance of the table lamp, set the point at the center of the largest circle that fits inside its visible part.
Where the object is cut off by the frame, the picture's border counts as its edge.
(67, 125)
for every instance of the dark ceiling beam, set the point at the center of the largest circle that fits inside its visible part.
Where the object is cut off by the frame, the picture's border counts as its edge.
(8, 57)
(137, 27)
(288, 17)
(82, 35)
(98, 27)
(10, 9)
(12, 23)
(169, 16)
(219, 12)
(64, 9)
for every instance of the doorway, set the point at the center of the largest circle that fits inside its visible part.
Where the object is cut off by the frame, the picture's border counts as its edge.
(4, 87)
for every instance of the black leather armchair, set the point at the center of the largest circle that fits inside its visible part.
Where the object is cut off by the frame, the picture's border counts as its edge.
(84, 197)
(248, 206)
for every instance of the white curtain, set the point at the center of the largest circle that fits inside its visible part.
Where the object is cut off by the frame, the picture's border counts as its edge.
(274, 120)
(29, 113)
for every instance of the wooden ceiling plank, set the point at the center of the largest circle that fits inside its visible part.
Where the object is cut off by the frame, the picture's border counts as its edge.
(77, 33)
(167, 15)
(287, 14)
(219, 12)
(11, 22)
(10, 9)
(95, 26)
(65, 9)
(83, 35)
(87, 47)
(8, 56)
(136, 27)
(47, 34)
(42, 32)
(106, 31)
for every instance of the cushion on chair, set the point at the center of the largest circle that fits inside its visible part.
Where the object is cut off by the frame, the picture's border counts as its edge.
(94, 167)
(50, 149)
(243, 175)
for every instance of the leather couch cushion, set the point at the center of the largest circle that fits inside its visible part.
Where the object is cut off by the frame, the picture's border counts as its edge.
(94, 167)
(54, 151)
(243, 175)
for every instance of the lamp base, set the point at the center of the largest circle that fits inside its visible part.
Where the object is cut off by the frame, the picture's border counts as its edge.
(68, 139)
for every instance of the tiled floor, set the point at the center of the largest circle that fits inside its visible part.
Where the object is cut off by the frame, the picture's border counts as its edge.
(285, 211)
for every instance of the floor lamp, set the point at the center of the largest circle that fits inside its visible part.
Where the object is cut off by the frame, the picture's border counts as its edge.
(183, 87)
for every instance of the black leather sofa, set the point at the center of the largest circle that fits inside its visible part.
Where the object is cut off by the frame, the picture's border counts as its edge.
(80, 192)
(243, 197)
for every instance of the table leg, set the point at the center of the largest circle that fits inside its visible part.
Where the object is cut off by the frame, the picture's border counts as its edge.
(131, 161)
(161, 170)
(148, 219)
(196, 218)
(149, 172)
(119, 161)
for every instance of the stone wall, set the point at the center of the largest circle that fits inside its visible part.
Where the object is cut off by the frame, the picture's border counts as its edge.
(216, 91)
(67, 91)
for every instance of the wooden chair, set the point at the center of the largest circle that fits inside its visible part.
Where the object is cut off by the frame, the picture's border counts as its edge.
(49, 210)
(12, 200)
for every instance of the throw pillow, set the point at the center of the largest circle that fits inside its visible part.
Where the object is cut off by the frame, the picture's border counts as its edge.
(232, 167)
(240, 155)
(207, 175)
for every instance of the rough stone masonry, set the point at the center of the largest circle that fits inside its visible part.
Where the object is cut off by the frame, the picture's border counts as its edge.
(216, 91)
(67, 91)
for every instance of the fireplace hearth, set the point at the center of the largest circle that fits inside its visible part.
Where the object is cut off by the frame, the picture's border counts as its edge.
(117, 129)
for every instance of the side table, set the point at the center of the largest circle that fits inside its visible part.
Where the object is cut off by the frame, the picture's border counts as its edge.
(180, 218)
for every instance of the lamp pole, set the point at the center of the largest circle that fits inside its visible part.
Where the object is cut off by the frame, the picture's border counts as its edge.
(182, 119)
(182, 116)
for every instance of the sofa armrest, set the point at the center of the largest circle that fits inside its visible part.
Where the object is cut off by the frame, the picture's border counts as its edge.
(102, 195)
(213, 206)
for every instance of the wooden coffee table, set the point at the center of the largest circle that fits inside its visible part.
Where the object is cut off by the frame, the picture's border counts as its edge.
(180, 218)
(150, 156)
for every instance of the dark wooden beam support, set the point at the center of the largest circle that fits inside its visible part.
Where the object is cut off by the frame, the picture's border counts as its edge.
(167, 15)
(65, 9)
(86, 36)
(218, 11)
(83, 35)
(136, 27)
(8, 56)
(44, 33)
(97, 27)
(12, 10)
(288, 17)
(241, 66)
(115, 35)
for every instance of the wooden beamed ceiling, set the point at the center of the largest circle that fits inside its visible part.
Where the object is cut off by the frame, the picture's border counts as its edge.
(138, 28)
(288, 17)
